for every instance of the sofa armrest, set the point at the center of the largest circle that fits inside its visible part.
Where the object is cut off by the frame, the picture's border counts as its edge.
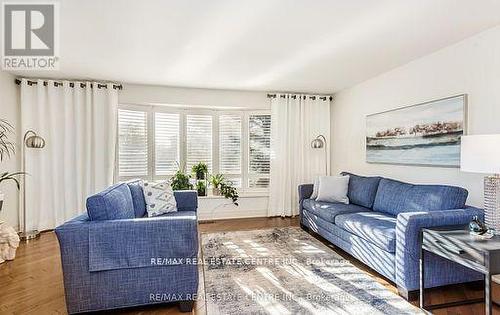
(408, 227)
(73, 239)
(187, 200)
(305, 191)
(143, 242)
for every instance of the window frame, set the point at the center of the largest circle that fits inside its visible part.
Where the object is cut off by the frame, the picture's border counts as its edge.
(183, 112)
(247, 153)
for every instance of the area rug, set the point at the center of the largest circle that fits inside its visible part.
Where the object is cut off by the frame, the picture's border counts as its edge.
(287, 271)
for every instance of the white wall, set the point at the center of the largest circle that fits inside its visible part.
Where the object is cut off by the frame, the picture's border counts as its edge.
(471, 66)
(9, 110)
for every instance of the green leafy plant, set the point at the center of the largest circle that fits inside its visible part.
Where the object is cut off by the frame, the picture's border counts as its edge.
(229, 191)
(216, 180)
(200, 170)
(7, 147)
(180, 181)
(201, 188)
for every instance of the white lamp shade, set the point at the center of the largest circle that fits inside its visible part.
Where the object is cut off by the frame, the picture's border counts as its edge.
(480, 154)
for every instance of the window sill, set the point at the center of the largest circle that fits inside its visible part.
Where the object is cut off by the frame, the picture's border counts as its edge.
(247, 195)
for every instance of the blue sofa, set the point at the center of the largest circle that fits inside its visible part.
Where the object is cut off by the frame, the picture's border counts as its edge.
(114, 256)
(381, 227)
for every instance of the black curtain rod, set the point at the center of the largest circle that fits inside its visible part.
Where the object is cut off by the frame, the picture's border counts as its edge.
(71, 84)
(294, 96)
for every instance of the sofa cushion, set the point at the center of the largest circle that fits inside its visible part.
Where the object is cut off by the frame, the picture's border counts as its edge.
(375, 227)
(394, 197)
(362, 189)
(113, 203)
(327, 210)
(135, 187)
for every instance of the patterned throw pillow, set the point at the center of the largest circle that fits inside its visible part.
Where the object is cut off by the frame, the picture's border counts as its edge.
(159, 198)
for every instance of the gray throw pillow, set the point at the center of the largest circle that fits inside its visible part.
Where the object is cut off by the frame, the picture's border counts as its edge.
(159, 198)
(333, 189)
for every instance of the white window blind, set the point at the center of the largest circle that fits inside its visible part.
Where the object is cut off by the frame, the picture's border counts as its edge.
(198, 140)
(153, 140)
(259, 149)
(167, 147)
(230, 147)
(132, 143)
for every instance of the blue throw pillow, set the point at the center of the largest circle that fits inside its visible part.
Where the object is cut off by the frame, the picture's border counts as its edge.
(114, 203)
(362, 190)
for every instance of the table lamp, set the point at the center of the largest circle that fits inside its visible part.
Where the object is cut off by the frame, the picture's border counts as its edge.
(481, 154)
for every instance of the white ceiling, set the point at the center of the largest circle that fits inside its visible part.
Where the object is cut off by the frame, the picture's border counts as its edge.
(272, 45)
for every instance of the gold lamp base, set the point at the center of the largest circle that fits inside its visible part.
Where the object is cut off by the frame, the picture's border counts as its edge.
(29, 235)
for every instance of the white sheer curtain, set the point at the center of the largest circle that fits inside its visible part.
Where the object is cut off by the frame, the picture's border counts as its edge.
(78, 123)
(296, 121)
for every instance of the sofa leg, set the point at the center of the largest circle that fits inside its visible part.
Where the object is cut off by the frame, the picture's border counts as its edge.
(186, 306)
(408, 295)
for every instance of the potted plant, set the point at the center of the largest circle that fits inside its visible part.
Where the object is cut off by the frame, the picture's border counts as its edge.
(180, 181)
(229, 191)
(200, 170)
(9, 176)
(7, 149)
(215, 181)
(201, 188)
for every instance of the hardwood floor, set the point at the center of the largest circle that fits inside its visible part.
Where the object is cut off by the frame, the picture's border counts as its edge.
(32, 283)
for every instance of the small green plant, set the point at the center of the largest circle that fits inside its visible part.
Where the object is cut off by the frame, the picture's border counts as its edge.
(201, 188)
(229, 191)
(180, 181)
(200, 170)
(216, 180)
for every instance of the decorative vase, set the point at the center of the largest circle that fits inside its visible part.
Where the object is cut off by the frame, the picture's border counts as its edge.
(477, 227)
(216, 191)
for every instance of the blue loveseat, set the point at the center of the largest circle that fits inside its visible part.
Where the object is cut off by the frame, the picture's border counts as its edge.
(382, 223)
(115, 256)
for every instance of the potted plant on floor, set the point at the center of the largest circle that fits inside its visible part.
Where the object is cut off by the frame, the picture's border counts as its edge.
(9, 176)
(9, 240)
(7, 149)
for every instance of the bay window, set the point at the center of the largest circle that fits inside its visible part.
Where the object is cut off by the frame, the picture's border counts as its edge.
(155, 141)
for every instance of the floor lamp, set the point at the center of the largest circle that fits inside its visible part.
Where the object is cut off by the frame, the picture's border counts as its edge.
(320, 143)
(34, 141)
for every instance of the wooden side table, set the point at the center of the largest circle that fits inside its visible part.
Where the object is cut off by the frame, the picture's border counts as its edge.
(458, 245)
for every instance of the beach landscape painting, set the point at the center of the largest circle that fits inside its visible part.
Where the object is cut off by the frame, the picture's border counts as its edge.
(423, 134)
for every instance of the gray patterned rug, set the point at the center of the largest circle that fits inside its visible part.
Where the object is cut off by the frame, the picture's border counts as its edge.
(287, 271)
